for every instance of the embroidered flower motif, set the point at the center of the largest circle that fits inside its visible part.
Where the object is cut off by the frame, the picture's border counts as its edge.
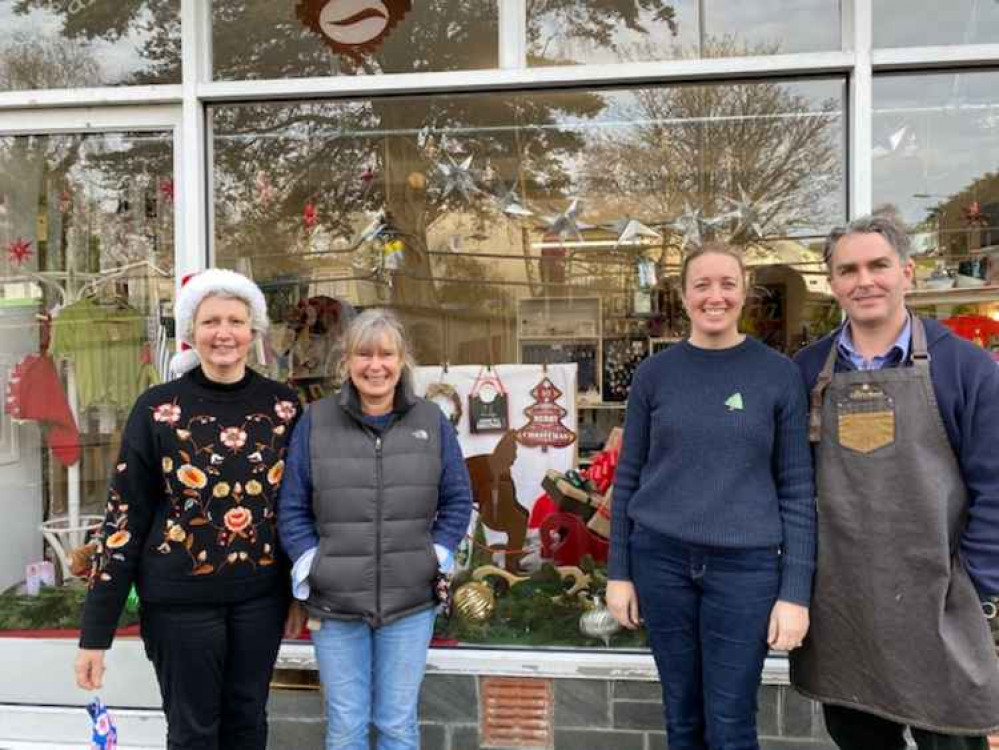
(285, 410)
(238, 519)
(183, 434)
(276, 472)
(220, 490)
(233, 438)
(168, 413)
(176, 533)
(118, 539)
(121, 468)
(167, 464)
(192, 476)
(253, 487)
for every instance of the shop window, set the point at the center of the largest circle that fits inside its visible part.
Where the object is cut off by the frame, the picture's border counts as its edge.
(84, 43)
(561, 32)
(921, 23)
(936, 141)
(86, 283)
(253, 39)
(531, 243)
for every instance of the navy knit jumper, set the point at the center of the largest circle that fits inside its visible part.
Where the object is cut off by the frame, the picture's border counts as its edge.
(716, 453)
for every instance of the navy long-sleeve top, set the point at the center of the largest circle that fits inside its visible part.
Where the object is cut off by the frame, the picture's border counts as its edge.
(716, 453)
(966, 385)
(297, 526)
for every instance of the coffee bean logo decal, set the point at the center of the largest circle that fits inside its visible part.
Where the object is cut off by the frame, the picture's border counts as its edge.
(352, 27)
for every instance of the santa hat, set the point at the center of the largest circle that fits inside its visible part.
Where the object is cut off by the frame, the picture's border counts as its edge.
(213, 282)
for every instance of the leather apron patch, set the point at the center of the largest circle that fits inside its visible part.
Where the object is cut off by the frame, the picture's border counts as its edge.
(865, 419)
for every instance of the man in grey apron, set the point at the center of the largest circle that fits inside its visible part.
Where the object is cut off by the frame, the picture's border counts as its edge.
(905, 427)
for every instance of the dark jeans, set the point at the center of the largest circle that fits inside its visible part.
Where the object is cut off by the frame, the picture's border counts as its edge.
(857, 730)
(214, 665)
(706, 610)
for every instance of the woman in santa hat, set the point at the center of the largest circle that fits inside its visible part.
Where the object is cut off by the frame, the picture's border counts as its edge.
(191, 524)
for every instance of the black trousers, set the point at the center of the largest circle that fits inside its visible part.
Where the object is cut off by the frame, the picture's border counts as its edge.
(856, 730)
(214, 665)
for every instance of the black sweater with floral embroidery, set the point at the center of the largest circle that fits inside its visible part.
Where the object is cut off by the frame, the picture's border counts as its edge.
(190, 513)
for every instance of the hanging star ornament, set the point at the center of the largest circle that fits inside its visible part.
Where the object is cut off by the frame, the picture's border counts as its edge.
(748, 213)
(457, 178)
(19, 251)
(567, 222)
(511, 205)
(690, 224)
(629, 231)
(974, 215)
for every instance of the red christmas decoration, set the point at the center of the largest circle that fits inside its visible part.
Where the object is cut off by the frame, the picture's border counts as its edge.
(19, 251)
(544, 426)
(167, 190)
(310, 215)
(974, 215)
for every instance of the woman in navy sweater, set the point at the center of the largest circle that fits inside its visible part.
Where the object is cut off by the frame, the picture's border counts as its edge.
(713, 522)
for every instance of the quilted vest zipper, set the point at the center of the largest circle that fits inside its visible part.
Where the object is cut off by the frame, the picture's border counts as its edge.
(378, 529)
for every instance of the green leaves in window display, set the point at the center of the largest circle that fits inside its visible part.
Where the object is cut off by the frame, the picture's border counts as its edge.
(55, 607)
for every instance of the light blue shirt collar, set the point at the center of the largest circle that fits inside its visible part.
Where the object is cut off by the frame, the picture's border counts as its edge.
(895, 354)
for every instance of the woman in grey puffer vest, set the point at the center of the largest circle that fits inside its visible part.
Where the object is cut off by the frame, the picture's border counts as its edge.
(375, 499)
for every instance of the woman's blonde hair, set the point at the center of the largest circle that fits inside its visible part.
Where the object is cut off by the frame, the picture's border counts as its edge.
(711, 248)
(365, 330)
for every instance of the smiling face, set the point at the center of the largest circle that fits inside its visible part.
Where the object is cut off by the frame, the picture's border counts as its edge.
(222, 337)
(869, 280)
(374, 368)
(714, 294)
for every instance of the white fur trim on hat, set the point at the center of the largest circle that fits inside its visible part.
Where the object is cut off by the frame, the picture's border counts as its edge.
(218, 281)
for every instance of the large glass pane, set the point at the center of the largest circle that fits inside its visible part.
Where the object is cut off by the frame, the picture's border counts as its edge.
(596, 31)
(936, 163)
(57, 44)
(918, 23)
(524, 236)
(263, 39)
(86, 283)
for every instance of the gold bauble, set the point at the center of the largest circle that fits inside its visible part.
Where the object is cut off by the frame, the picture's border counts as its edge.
(416, 180)
(474, 602)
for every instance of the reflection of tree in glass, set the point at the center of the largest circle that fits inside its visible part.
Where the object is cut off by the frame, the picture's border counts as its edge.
(703, 144)
(324, 152)
(28, 62)
(144, 35)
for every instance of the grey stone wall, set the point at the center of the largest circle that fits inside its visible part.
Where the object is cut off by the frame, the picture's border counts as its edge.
(588, 715)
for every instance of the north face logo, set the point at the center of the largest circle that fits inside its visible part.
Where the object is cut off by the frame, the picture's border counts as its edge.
(421, 435)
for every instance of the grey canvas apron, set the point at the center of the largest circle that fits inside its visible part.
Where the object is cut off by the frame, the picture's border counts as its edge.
(897, 628)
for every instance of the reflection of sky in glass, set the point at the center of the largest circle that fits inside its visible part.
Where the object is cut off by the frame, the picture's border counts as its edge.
(904, 23)
(933, 136)
(118, 60)
(765, 25)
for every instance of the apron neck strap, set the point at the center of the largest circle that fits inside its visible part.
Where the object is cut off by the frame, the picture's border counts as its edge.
(920, 351)
(818, 391)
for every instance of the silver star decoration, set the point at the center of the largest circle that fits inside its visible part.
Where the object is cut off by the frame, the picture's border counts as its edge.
(458, 178)
(749, 214)
(511, 205)
(904, 138)
(690, 225)
(629, 230)
(567, 222)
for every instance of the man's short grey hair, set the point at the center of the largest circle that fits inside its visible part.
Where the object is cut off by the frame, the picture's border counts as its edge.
(882, 224)
(366, 329)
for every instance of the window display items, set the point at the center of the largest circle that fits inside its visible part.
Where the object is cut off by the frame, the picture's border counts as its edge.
(488, 409)
(446, 397)
(544, 426)
(621, 358)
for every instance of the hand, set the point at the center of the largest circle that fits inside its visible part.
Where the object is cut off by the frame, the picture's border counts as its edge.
(788, 626)
(89, 668)
(295, 621)
(622, 601)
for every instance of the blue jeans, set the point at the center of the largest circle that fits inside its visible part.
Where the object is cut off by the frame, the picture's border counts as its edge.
(706, 611)
(373, 675)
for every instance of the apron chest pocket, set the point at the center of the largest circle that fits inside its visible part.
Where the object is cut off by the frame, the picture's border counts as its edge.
(865, 419)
